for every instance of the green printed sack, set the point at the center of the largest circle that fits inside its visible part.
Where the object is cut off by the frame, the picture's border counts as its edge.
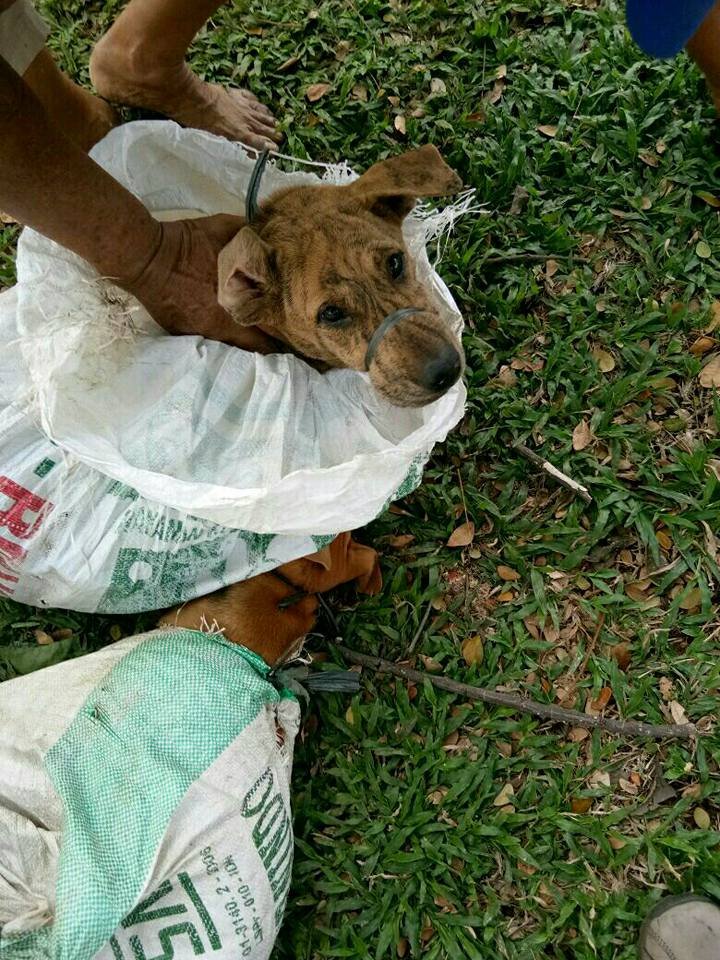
(145, 804)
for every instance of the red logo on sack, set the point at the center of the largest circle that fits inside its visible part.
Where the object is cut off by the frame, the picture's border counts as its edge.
(21, 519)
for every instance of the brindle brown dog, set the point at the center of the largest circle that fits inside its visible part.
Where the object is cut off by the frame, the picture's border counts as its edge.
(322, 266)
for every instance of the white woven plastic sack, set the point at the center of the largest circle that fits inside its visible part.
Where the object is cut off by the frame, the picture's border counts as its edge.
(251, 442)
(72, 537)
(145, 804)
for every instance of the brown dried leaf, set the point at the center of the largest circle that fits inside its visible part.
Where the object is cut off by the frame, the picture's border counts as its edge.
(702, 345)
(621, 655)
(437, 86)
(360, 92)
(463, 535)
(677, 711)
(582, 436)
(402, 947)
(7, 218)
(551, 268)
(43, 638)
(580, 804)
(507, 573)
(316, 91)
(649, 158)
(602, 699)
(437, 796)
(710, 374)
(520, 198)
(505, 795)
(399, 124)
(604, 359)
(691, 600)
(496, 93)
(578, 734)
(617, 843)
(397, 543)
(665, 686)
(472, 650)
(342, 49)
(547, 129)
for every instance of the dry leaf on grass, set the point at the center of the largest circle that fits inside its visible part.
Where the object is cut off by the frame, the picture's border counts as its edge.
(582, 436)
(580, 804)
(702, 345)
(604, 359)
(520, 198)
(710, 374)
(505, 795)
(7, 218)
(495, 95)
(43, 638)
(507, 573)
(359, 92)
(463, 535)
(399, 124)
(578, 734)
(397, 543)
(701, 818)
(677, 711)
(547, 129)
(551, 268)
(316, 91)
(621, 655)
(437, 86)
(472, 650)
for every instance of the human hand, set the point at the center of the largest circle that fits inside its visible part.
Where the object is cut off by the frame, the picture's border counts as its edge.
(178, 283)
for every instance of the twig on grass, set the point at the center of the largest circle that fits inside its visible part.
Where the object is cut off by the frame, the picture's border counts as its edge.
(420, 629)
(545, 711)
(531, 258)
(558, 475)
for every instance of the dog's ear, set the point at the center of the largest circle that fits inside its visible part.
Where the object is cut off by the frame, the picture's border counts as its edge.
(245, 272)
(391, 187)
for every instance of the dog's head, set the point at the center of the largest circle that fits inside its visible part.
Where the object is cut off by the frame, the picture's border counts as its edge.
(323, 266)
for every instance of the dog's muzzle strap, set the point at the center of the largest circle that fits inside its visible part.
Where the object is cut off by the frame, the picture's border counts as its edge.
(390, 321)
(251, 204)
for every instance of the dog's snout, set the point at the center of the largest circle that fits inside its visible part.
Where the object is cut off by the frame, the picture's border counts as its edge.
(440, 373)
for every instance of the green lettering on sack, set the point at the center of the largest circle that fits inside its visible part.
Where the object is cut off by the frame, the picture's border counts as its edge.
(122, 491)
(321, 541)
(150, 579)
(147, 911)
(272, 835)
(257, 546)
(44, 467)
(165, 936)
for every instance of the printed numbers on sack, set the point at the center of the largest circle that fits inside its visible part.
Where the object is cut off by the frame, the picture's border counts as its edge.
(211, 865)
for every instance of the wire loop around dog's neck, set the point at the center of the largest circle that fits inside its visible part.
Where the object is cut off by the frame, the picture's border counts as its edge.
(390, 321)
(251, 204)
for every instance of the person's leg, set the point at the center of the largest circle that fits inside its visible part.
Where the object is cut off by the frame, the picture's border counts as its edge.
(82, 117)
(141, 62)
(704, 48)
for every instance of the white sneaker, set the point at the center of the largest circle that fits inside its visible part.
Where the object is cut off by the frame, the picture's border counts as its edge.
(681, 928)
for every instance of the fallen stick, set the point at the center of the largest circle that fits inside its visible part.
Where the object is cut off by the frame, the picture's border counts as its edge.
(558, 475)
(545, 711)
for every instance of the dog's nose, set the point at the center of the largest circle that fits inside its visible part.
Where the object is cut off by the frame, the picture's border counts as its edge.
(440, 373)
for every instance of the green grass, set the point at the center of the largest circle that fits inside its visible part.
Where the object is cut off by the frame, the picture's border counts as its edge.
(400, 849)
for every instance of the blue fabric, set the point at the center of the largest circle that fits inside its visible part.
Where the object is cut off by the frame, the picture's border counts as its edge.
(663, 27)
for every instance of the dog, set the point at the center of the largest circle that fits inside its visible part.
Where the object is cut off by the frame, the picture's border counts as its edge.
(321, 268)
(272, 613)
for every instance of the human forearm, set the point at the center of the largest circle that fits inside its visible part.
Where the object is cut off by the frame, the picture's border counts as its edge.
(49, 184)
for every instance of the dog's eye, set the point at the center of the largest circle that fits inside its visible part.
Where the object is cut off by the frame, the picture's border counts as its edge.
(332, 316)
(396, 265)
